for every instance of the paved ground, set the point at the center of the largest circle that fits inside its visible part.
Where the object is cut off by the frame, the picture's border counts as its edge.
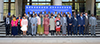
(49, 40)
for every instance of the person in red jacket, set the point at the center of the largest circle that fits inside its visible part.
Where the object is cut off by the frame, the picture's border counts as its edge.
(19, 24)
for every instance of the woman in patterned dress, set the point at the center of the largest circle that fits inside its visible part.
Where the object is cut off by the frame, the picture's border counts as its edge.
(46, 25)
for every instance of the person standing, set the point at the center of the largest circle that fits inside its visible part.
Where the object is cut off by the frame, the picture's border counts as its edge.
(81, 24)
(7, 25)
(14, 27)
(33, 25)
(93, 23)
(19, 24)
(29, 24)
(64, 24)
(86, 31)
(46, 25)
(70, 24)
(58, 25)
(49, 14)
(75, 24)
(52, 25)
(24, 25)
(33, 13)
(44, 13)
(55, 14)
(41, 25)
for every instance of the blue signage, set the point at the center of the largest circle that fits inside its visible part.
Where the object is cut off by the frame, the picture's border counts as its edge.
(52, 9)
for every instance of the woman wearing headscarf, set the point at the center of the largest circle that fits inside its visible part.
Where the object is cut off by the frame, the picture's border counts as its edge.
(40, 25)
(14, 26)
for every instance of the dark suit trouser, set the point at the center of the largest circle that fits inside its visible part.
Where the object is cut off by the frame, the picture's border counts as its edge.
(86, 31)
(69, 29)
(52, 32)
(8, 29)
(19, 30)
(81, 30)
(75, 30)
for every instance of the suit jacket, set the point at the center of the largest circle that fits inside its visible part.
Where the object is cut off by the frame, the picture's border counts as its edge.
(29, 23)
(75, 21)
(69, 20)
(80, 21)
(77, 16)
(86, 21)
(92, 21)
(62, 21)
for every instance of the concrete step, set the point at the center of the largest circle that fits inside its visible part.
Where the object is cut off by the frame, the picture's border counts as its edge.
(2, 35)
(2, 32)
(2, 27)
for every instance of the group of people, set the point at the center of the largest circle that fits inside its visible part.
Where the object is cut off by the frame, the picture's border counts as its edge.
(61, 24)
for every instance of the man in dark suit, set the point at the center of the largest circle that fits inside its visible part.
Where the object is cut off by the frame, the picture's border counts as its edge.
(75, 24)
(81, 24)
(78, 15)
(86, 31)
(7, 25)
(29, 24)
(70, 24)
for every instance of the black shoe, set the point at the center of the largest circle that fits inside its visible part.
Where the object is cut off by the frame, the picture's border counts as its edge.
(94, 34)
(91, 34)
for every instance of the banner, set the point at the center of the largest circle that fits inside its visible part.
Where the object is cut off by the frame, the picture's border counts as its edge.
(52, 9)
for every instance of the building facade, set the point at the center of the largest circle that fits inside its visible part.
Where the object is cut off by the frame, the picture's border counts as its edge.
(16, 7)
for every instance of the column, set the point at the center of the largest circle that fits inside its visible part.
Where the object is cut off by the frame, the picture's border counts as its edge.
(90, 6)
(57, 2)
(18, 4)
(1, 10)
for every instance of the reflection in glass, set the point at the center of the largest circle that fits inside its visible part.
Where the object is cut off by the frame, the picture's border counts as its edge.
(28, 0)
(97, 8)
(5, 0)
(12, 12)
(67, 0)
(34, 0)
(77, 7)
(34, 3)
(41, 0)
(42, 3)
(12, 5)
(97, 0)
(12, 0)
(28, 4)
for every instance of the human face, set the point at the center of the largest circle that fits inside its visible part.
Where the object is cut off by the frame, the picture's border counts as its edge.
(86, 14)
(24, 17)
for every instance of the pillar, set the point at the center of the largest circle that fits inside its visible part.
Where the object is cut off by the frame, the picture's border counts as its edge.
(18, 4)
(90, 6)
(57, 2)
(1, 10)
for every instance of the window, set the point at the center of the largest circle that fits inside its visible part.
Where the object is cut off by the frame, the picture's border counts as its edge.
(9, 7)
(5, 9)
(77, 7)
(6, 0)
(97, 8)
(35, 2)
(67, 0)
(97, 0)
(12, 9)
